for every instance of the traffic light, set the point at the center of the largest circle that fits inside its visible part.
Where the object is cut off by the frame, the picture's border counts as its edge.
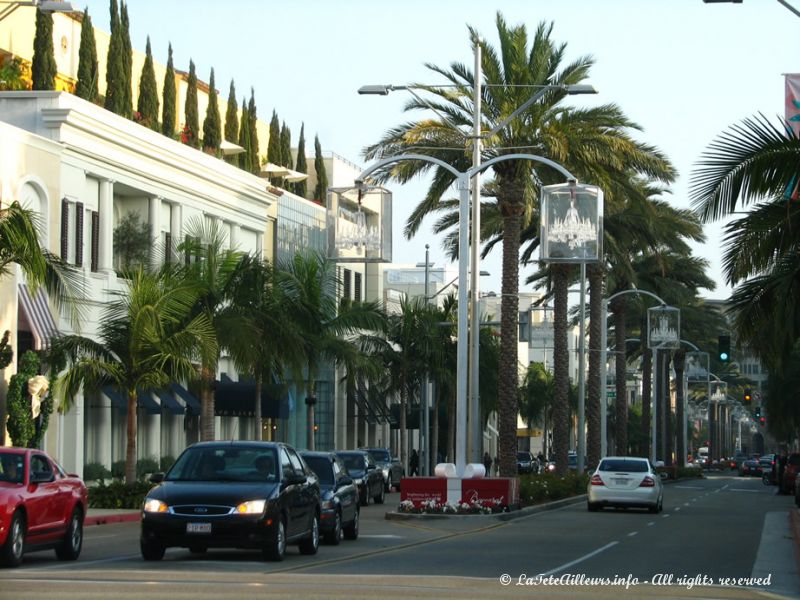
(724, 348)
(748, 397)
(757, 412)
(762, 420)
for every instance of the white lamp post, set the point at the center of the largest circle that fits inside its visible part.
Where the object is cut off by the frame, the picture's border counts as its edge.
(663, 333)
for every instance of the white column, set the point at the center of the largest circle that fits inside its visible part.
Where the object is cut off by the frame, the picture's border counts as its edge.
(155, 232)
(72, 441)
(176, 226)
(106, 246)
(104, 434)
(233, 234)
(260, 244)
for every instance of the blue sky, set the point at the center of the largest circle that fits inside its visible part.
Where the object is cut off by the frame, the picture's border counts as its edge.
(683, 70)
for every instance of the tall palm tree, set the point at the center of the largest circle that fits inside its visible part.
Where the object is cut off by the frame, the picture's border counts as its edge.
(145, 340)
(573, 137)
(309, 284)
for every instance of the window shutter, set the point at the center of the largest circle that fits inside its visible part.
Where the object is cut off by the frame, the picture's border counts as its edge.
(95, 240)
(64, 229)
(346, 293)
(357, 290)
(167, 248)
(79, 234)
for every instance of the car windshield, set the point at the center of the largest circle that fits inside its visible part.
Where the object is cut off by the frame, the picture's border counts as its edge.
(321, 465)
(523, 456)
(623, 465)
(11, 467)
(380, 455)
(353, 462)
(225, 464)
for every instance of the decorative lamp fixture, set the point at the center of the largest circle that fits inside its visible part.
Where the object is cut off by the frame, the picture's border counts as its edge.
(663, 327)
(572, 223)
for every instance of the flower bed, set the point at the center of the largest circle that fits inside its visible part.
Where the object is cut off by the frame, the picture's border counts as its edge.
(432, 507)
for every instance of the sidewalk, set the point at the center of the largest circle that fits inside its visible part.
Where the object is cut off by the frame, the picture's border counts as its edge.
(105, 516)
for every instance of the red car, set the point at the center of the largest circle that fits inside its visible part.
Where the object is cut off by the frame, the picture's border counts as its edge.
(790, 473)
(41, 506)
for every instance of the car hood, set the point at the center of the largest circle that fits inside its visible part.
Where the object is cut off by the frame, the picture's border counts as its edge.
(203, 492)
(356, 474)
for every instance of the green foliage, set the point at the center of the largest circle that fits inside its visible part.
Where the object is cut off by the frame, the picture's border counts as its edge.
(212, 128)
(96, 472)
(321, 189)
(255, 159)
(544, 487)
(148, 93)
(118, 469)
(286, 146)
(245, 157)
(43, 67)
(191, 128)
(115, 67)
(145, 466)
(12, 76)
(169, 99)
(88, 69)
(232, 123)
(166, 462)
(6, 351)
(119, 495)
(23, 429)
(132, 242)
(300, 187)
(127, 62)
(274, 146)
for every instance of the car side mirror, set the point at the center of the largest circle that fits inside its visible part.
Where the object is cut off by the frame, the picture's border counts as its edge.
(156, 478)
(42, 477)
(295, 479)
(371, 467)
(343, 481)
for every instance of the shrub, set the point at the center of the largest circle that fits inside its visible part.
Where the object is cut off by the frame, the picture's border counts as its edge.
(544, 487)
(95, 472)
(166, 462)
(118, 469)
(146, 465)
(118, 495)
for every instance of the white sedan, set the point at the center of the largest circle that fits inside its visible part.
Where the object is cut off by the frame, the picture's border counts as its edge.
(625, 481)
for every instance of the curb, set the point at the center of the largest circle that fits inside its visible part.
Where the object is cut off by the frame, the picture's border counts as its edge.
(507, 516)
(108, 519)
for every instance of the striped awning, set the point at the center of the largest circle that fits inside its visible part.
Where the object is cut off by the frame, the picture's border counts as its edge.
(37, 313)
(169, 403)
(192, 403)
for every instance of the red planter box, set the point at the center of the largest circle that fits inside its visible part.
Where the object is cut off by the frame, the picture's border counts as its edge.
(421, 489)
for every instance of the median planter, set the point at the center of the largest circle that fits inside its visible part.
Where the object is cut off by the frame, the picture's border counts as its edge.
(441, 495)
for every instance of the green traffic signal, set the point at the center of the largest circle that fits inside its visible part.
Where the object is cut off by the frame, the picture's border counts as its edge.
(724, 348)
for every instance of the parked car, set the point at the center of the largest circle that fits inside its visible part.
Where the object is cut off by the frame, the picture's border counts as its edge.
(625, 481)
(750, 467)
(369, 479)
(767, 465)
(736, 461)
(340, 505)
(258, 495)
(389, 465)
(526, 463)
(41, 506)
(790, 473)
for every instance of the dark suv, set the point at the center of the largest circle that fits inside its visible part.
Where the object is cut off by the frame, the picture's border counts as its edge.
(233, 495)
(365, 474)
(339, 496)
(389, 465)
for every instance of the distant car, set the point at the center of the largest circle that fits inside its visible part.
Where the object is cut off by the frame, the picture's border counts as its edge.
(766, 464)
(340, 505)
(750, 467)
(389, 465)
(790, 472)
(366, 475)
(625, 481)
(241, 494)
(736, 460)
(526, 463)
(41, 506)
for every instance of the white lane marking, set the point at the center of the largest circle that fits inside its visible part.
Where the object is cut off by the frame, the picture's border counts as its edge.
(651, 523)
(664, 516)
(632, 533)
(677, 508)
(746, 490)
(688, 487)
(387, 536)
(578, 560)
(686, 504)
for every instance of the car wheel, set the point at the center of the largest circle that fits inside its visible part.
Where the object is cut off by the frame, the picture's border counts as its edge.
(379, 499)
(276, 547)
(310, 544)
(197, 549)
(70, 548)
(591, 507)
(152, 549)
(12, 551)
(335, 536)
(351, 530)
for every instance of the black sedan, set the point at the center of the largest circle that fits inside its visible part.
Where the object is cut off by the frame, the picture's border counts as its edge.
(369, 479)
(390, 465)
(750, 466)
(339, 496)
(258, 495)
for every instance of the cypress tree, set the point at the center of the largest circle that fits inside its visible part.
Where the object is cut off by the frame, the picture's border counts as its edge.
(255, 159)
(169, 99)
(232, 123)
(212, 128)
(244, 139)
(321, 190)
(127, 62)
(148, 94)
(286, 146)
(87, 86)
(114, 67)
(43, 68)
(301, 166)
(191, 128)
(274, 145)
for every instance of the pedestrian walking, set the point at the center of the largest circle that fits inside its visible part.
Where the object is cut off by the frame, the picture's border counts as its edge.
(413, 463)
(487, 464)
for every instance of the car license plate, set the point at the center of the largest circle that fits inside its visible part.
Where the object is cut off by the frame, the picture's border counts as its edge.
(620, 481)
(198, 528)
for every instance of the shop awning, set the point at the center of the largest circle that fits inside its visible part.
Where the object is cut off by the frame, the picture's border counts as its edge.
(144, 399)
(37, 312)
(117, 401)
(237, 399)
(169, 403)
(192, 403)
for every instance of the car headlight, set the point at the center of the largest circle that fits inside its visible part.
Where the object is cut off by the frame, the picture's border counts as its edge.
(386, 472)
(152, 505)
(251, 507)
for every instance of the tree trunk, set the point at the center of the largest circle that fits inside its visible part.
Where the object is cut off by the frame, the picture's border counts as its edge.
(647, 387)
(669, 434)
(510, 200)
(403, 436)
(207, 375)
(618, 306)
(311, 401)
(130, 447)
(593, 406)
(560, 369)
(257, 409)
(659, 407)
(680, 365)
(433, 459)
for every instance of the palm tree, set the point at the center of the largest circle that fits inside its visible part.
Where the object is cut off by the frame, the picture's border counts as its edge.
(582, 139)
(145, 340)
(309, 284)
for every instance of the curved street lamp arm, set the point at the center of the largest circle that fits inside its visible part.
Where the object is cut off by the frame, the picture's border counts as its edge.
(401, 157)
(637, 291)
(471, 172)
